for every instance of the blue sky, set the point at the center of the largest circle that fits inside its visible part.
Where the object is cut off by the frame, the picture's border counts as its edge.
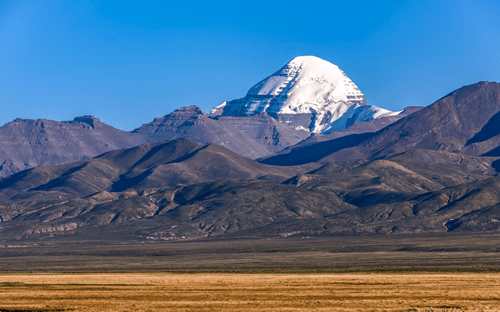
(130, 61)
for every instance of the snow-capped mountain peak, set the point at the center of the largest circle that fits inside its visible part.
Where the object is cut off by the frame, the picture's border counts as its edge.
(307, 78)
(306, 86)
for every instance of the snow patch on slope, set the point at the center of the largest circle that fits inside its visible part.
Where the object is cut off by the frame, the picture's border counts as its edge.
(358, 113)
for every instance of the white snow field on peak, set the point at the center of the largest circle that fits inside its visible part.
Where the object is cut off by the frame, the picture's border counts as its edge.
(306, 85)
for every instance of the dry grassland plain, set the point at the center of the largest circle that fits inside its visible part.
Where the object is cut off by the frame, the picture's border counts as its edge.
(250, 292)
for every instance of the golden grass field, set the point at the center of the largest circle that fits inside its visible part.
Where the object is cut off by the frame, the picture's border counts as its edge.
(250, 292)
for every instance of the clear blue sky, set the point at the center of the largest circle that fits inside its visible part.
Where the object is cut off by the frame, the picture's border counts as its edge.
(129, 61)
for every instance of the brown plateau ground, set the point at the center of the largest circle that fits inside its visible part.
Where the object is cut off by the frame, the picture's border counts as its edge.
(439, 272)
(250, 292)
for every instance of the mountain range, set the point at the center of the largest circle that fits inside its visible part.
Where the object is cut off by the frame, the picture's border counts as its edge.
(315, 88)
(301, 154)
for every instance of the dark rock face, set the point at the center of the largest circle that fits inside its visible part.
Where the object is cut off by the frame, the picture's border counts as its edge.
(252, 136)
(167, 127)
(28, 143)
(302, 154)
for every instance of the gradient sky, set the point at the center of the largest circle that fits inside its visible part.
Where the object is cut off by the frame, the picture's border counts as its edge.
(130, 61)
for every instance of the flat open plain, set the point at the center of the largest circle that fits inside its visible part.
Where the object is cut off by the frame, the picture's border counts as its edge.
(395, 273)
(250, 292)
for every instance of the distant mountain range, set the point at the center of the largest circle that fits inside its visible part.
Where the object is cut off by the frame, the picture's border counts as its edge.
(261, 166)
(309, 95)
(28, 143)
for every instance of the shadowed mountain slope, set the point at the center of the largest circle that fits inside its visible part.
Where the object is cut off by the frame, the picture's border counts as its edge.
(461, 122)
(171, 164)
